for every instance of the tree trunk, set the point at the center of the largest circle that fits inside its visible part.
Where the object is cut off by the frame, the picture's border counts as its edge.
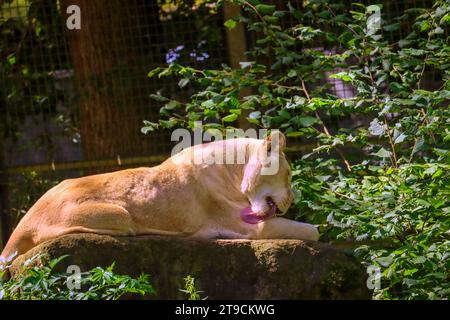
(105, 52)
(237, 46)
(4, 214)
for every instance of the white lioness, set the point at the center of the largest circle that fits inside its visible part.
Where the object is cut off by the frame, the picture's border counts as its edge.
(176, 198)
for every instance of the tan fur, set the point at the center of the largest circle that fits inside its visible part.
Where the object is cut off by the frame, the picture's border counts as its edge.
(186, 200)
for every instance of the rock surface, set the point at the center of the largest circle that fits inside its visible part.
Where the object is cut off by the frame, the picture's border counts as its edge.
(223, 269)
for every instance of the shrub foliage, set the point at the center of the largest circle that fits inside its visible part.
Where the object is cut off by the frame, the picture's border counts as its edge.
(379, 174)
(39, 280)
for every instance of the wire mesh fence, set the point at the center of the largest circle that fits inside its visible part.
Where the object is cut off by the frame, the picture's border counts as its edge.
(49, 107)
(72, 102)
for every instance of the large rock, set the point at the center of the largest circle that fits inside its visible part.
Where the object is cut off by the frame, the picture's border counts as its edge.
(224, 269)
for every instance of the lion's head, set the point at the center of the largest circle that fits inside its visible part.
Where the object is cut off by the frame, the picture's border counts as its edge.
(267, 176)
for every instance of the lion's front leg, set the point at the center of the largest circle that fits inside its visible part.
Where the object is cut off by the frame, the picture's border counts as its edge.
(281, 228)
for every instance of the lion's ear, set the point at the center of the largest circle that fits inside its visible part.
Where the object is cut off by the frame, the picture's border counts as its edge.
(252, 172)
(276, 141)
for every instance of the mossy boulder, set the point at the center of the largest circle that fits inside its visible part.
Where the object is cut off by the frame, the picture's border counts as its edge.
(223, 269)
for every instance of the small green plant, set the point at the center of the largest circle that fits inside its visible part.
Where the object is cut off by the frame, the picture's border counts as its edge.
(39, 281)
(190, 289)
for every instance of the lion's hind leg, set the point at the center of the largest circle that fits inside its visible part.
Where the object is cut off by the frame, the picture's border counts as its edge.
(100, 218)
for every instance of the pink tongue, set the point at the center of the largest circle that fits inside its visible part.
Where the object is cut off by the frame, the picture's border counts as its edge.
(248, 216)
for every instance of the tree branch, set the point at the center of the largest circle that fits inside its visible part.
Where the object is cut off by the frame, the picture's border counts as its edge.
(388, 131)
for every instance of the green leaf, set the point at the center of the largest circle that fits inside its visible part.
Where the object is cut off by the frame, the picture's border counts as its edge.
(149, 127)
(400, 138)
(183, 82)
(410, 271)
(294, 134)
(418, 260)
(383, 153)
(396, 87)
(295, 102)
(236, 111)
(264, 89)
(171, 105)
(341, 75)
(306, 121)
(404, 43)
(234, 102)
(384, 261)
(292, 73)
(424, 26)
(254, 121)
(167, 124)
(438, 30)
(331, 37)
(230, 118)
(410, 282)
(284, 114)
(445, 19)
(418, 145)
(12, 60)
(154, 72)
(230, 24)
(165, 72)
(271, 20)
(208, 104)
(158, 98)
(265, 9)
(406, 102)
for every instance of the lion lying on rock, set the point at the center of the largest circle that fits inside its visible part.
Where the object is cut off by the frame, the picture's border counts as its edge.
(177, 198)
